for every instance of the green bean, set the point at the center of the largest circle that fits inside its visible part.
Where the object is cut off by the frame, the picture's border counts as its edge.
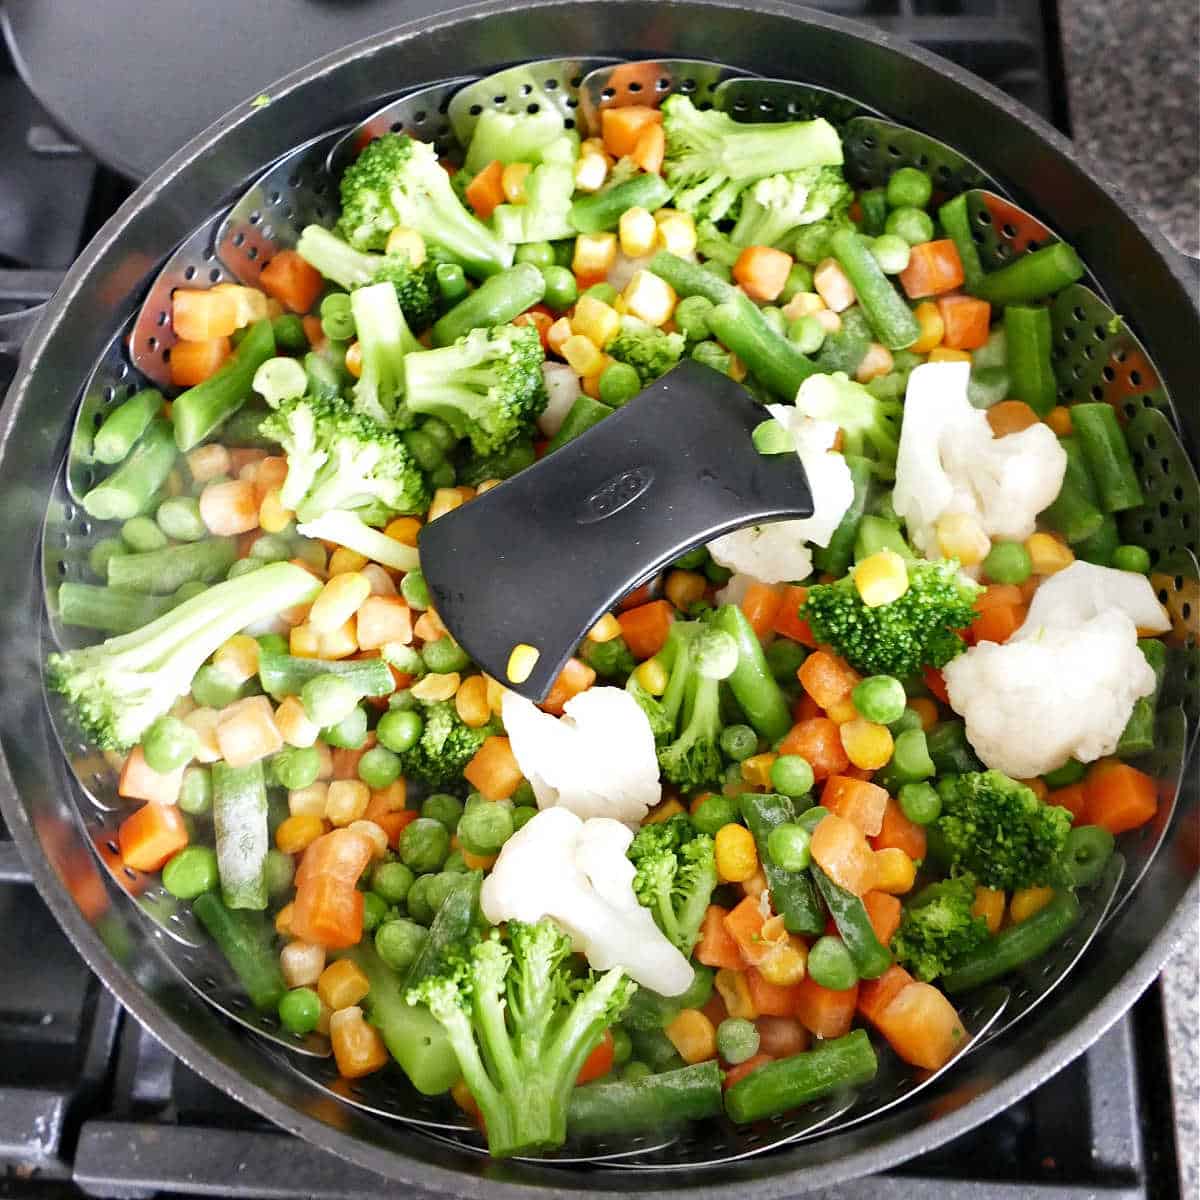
(602, 211)
(835, 558)
(1107, 455)
(246, 939)
(282, 378)
(131, 488)
(1030, 277)
(955, 219)
(324, 380)
(1072, 771)
(1075, 512)
(912, 224)
(888, 314)
(1138, 735)
(87, 606)
(987, 386)
(1102, 545)
(496, 301)
(289, 333)
(847, 346)
(785, 657)
(101, 552)
(1028, 333)
(769, 356)
(792, 893)
(451, 281)
(166, 570)
(874, 205)
(282, 675)
(349, 733)
(1086, 853)
(647, 1103)
(714, 812)
(583, 414)
(799, 279)
(141, 535)
(870, 957)
(122, 428)
(240, 825)
(751, 683)
(179, 518)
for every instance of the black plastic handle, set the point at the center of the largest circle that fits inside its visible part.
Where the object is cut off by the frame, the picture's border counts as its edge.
(539, 559)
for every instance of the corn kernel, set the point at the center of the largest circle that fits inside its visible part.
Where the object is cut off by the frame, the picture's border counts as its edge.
(803, 304)
(591, 170)
(487, 485)
(342, 984)
(833, 285)
(605, 630)
(512, 182)
(521, 661)
(933, 328)
(895, 872)
(877, 361)
(353, 359)
(594, 255)
(637, 232)
(298, 833)
(428, 626)
(203, 723)
(828, 320)
(283, 919)
(756, 770)
(943, 354)
(693, 1035)
(346, 801)
(207, 462)
(341, 643)
(684, 588)
(926, 710)
(868, 746)
(649, 298)
(557, 335)
(404, 530)
(434, 687)
(309, 801)
(495, 693)
(664, 812)
(324, 1018)
(1027, 901)
(1047, 554)
(584, 357)
(375, 833)
(342, 561)
(597, 321)
(676, 232)
(293, 724)
(301, 963)
(842, 711)
(471, 703)
(250, 303)
(736, 856)
(989, 904)
(444, 500)
(959, 535)
(594, 145)
(881, 578)
(652, 675)
(734, 988)
(786, 964)
(272, 516)
(238, 657)
(1059, 419)
(338, 601)
(407, 243)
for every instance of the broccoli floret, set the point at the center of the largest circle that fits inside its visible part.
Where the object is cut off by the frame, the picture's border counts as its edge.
(416, 287)
(661, 725)
(649, 351)
(399, 181)
(937, 928)
(487, 386)
(117, 689)
(544, 215)
(384, 340)
(519, 137)
(338, 460)
(521, 1023)
(711, 159)
(676, 875)
(999, 830)
(444, 748)
(504, 464)
(774, 206)
(870, 425)
(610, 660)
(899, 638)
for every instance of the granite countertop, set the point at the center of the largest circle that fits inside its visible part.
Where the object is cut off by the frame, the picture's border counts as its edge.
(1134, 97)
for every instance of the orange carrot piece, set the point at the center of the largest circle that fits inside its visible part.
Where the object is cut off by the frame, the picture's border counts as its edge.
(897, 832)
(844, 854)
(575, 677)
(650, 149)
(341, 854)
(820, 741)
(1010, 416)
(716, 948)
(193, 362)
(883, 911)
(781, 1037)
(874, 995)
(1073, 798)
(966, 321)
(493, 772)
(824, 1012)
(599, 1062)
(1118, 798)
(734, 1074)
(935, 683)
(762, 271)
(313, 331)
(140, 781)
(645, 628)
(934, 268)
(328, 912)
(922, 1026)
(827, 678)
(229, 508)
(292, 281)
(861, 803)
(771, 999)
(198, 316)
(998, 595)
(272, 472)
(998, 624)
(788, 622)
(485, 193)
(744, 924)
(149, 837)
(540, 318)
(761, 605)
(642, 594)
(620, 128)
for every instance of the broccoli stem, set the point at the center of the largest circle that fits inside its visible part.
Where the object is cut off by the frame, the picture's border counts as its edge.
(350, 531)
(199, 410)
(336, 259)
(106, 609)
(131, 488)
(165, 570)
(495, 302)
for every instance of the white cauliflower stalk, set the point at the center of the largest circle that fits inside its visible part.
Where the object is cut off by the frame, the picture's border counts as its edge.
(598, 759)
(577, 873)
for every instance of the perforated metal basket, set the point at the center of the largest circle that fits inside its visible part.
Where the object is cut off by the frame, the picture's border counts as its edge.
(157, 959)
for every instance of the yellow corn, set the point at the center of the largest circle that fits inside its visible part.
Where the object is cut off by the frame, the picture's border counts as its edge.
(959, 535)
(605, 630)
(324, 1019)
(1059, 419)
(868, 746)
(594, 255)
(881, 578)
(444, 500)
(342, 984)
(756, 770)
(346, 801)
(664, 812)
(272, 516)
(309, 801)
(471, 702)
(375, 833)
(649, 298)
(842, 711)
(238, 657)
(341, 643)
(786, 964)
(521, 661)
(353, 360)
(342, 561)
(203, 723)
(637, 232)
(283, 919)
(734, 989)
(298, 833)
(1047, 554)
(495, 693)
(557, 335)
(428, 626)
(895, 872)
(989, 904)
(803, 304)
(207, 462)
(877, 361)
(834, 286)
(301, 963)
(597, 321)
(684, 588)
(693, 1035)
(408, 243)
(251, 304)
(676, 231)
(828, 320)
(433, 688)
(293, 724)
(404, 530)
(591, 170)
(487, 485)
(338, 601)
(652, 675)
(1027, 901)
(583, 355)
(512, 182)
(926, 709)
(933, 328)
(944, 354)
(736, 856)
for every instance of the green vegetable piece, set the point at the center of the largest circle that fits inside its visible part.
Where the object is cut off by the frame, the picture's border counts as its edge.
(282, 675)
(495, 302)
(131, 488)
(484, 828)
(1030, 277)
(242, 836)
(415, 590)
(179, 518)
(737, 1040)
(280, 379)
(399, 942)
(444, 656)
(784, 658)
(789, 847)
(1132, 558)
(328, 699)
(561, 289)
(874, 205)
(299, 1010)
(169, 744)
(792, 893)
(619, 383)
(444, 808)
(602, 210)
(691, 317)
(168, 569)
(887, 312)
(920, 803)
(835, 559)
(955, 219)
(1086, 854)
(713, 813)
(86, 606)
(751, 683)
(213, 687)
(1008, 562)
(399, 730)
(1028, 334)
(379, 768)
(392, 881)
(246, 939)
(1107, 456)
(122, 428)
(911, 224)
(195, 792)
(583, 414)
(141, 535)
(909, 187)
(937, 928)
(871, 958)
(880, 698)
(644, 1102)
(424, 845)
(830, 965)
(792, 775)
(280, 872)
(191, 873)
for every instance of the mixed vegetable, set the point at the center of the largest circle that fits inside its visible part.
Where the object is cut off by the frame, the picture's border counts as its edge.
(789, 800)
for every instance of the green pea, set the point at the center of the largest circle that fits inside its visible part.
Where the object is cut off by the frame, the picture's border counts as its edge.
(891, 253)
(1008, 562)
(168, 744)
(141, 534)
(440, 432)
(244, 566)
(101, 552)
(911, 224)
(337, 320)
(561, 289)
(296, 767)
(195, 793)
(426, 450)
(455, 862)
(717, 574)
(604, 292)
(622, 1047)
(524, 795)
(541, 254)
(191, 872)
(375, 910)
(1132, 558)
(392, 880)
(379, 768)
(444, 808)
(799, 279)
(522, 815)
(399, 729)
(712, 355)
(451, 281)
(713, 813)
(788, 846)
(415, 590)
(920, 803)
(349, 733)
(179, 517)
(784, 658)
(812, 244)
(909, 187)
(812, 817)
(484, 828)
(830, 965)
(442, 476)
(272, 643)
(807, 333)
(619, 383)
(328, 699)
(738, 742)
(691, 317)
(694, 559)
(737, 1040)
(635, 1070)
(299, 1010)
(279, 870)
(444, 656)
(1086, 854)
(792, 775)
(424, 845)
(427, 894)
(880, 698)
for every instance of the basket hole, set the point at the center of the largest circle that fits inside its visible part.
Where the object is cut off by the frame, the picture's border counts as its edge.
(1008, 231)
(1078, 313)
(635, 86)
(189, 273)
(1109, 374)
(550, 85)
(256, 216)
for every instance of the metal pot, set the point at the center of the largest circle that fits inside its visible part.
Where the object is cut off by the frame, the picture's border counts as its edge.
(1144, 278)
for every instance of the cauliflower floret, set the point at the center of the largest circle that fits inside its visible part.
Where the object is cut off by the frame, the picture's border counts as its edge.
(1055, 693)
(950, 462)
(578, 874)
(598, 760)
(1084, 590)
(779, 552)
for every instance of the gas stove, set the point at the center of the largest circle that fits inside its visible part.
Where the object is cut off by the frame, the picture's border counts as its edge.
(90, 1104)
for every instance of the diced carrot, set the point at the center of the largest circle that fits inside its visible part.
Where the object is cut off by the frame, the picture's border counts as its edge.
(714, 1008)
(998, 624)
(966, 321)
(744, 925)
(575, 677)
(862, 804)
(198, 316)
(642, 594)
(897, 832)
(599, 1062)
(762, 271)
(620, 128)
(998, 595)
(493, 772)
(650, 149)
(540, 318)
(272, 472)
(734, 1074)
(771, 999)
(392, 823)
(645, 628)
(149, 837)
(824, 1012)
(805, 708)
(935, 683)
(843, 853)
(781, 1037)
(760, 605)
(390, 799)
(1073, 798)
(827, 678)
(246, 731)
(820, 741)
(874, 995)
(382, 619)
(240, 457)
(327, 912)
(193, 362)
(139, 780)
(788, 622)
(883, 911)
(485, 193)
(934, 268)
(716, 948)
(229, 508)
(1010, 416)
(1118, 798)
(313, 331)
(922, 1026)
(292, 281)
(341, 854)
